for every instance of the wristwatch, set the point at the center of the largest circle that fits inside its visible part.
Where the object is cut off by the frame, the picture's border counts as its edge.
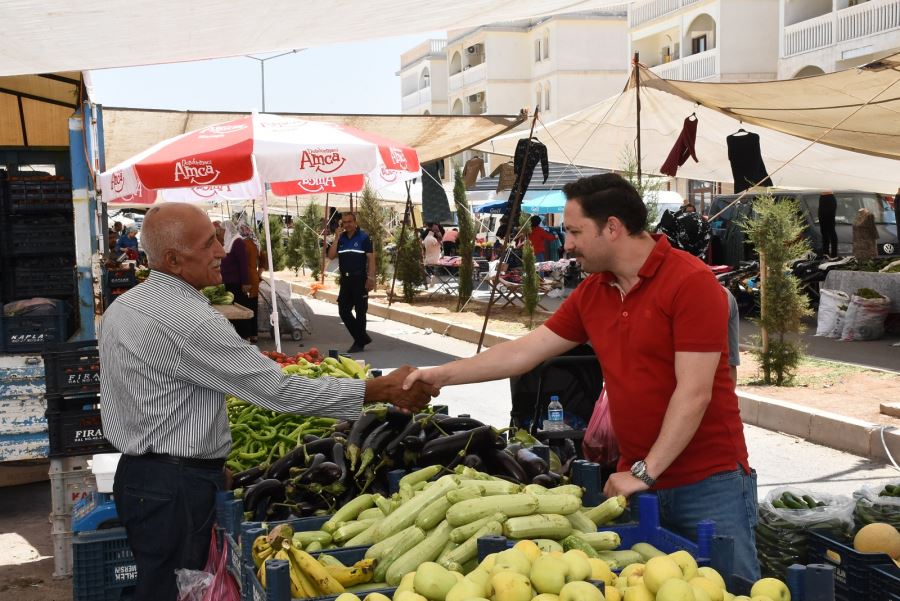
(639, 471)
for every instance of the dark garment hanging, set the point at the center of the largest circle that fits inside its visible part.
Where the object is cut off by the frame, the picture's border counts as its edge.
(686, 231)
(684, 148)
(746, 161)
(527, 157)
(435, 206)
(827, 218)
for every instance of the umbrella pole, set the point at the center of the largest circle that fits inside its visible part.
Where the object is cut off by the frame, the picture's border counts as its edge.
(637, 97)
(273, 318)
(407, 212)
(324, 240)
(512, 223)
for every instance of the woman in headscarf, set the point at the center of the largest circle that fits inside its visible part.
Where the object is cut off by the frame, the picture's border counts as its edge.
(255, 266)
(234, 273)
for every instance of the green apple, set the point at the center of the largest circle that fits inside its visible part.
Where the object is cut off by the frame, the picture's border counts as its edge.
(711, 574)
(638, 593)
(580, 591)
(548, 574)
(686, 562)
(658, 570)
(675, 589)
(709, 587)
(773, 588)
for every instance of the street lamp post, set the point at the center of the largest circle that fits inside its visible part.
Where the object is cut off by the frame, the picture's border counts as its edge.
(262, 71)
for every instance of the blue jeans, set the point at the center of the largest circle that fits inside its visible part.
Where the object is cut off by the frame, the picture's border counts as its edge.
(728, 498)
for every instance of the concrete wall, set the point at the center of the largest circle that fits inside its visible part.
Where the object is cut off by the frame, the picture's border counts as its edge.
(801, 10)
(507, 55)
(748, 52)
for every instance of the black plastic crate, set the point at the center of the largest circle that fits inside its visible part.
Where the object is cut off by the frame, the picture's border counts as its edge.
(66, 404)
(121, 277)
(103, 567)
(49, 234)
(853, 571)
(78, 432)
(24, 279)
(886, 583)
(31, 333)
(72, 368)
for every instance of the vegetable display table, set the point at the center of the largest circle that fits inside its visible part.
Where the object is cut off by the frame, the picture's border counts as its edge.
(234, 311)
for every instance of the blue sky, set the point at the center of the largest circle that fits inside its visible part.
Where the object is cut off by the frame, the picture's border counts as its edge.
(345, 78)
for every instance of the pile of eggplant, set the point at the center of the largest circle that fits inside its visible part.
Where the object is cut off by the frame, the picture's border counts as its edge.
(325, 472)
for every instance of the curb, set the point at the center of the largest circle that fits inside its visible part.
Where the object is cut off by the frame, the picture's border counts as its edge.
(831, 430)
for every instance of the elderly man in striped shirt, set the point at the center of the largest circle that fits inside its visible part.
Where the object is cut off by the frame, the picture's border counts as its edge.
(168, 360)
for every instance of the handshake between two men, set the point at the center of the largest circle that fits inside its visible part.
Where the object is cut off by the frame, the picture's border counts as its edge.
(390, 389)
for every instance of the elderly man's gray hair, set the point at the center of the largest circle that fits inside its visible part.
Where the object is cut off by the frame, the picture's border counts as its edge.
(161, 234)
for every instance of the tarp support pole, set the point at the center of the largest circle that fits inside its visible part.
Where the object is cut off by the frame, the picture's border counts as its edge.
(327, 221)
(273, 318)
(512, 223)
(637, 98)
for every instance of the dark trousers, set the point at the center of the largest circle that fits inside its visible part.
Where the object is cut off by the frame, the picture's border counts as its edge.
(168, 513)
(242, 326)
(829, 237)
(353, 296)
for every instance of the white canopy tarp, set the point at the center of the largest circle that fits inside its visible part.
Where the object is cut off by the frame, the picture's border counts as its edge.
(42, 36)
(603, 134)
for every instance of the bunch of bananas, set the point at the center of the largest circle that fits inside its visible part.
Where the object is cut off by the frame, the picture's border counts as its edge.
(309, 577)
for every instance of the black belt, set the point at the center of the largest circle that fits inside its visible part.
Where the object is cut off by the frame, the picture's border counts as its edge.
(352, 273)
(206, 464)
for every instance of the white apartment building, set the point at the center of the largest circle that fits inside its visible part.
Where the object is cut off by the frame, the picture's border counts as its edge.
(822, 36)
(706, 40)
(559, 64)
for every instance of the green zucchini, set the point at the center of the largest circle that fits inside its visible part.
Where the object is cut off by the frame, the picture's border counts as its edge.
(509, 505)
(541, 525)
(464, 493)
(601, 541)
(304, 537)
(435, 513)
(350, 529)
(423, 475)
(461, 534)
(469, 549)
(406, 514)
(413, 538)
(349, 512)
(576, 542)
(380, 549)
(581, 522)
(647, 551)
(558, 504)
(426, 550)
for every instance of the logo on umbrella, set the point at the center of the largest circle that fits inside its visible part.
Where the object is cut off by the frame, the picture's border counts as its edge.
(398, 157)
(388, 175)
(210, 191)
(218, 131)
(118, 181)
(198, 172)
(316, 184)
(323, 161)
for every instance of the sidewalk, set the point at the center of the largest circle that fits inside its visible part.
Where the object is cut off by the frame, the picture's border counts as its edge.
(828, 429)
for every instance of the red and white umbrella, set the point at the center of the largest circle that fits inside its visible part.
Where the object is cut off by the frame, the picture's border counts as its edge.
(236, 159)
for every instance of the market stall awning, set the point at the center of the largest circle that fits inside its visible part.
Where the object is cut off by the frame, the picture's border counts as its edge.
(34, 109)
(40, 36)
(127, 132)
(868, 98)
(603, 135)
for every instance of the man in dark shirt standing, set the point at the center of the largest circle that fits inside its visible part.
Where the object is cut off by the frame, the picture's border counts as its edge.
(356, 261)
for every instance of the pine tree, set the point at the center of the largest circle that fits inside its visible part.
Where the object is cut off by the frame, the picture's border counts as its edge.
(529, 282)
(277, 244)
(310, 249)
(646, 186)
(465, 241)
(294, 256)
(776, 232)
(409, 263)
(371, 218)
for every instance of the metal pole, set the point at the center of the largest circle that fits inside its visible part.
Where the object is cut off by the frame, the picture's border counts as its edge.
(637, 96)
(262, 87)
(513, 222)
(273, 318)
(324, 241)
(407, 214)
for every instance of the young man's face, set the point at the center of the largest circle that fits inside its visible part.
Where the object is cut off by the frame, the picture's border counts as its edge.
(348, 222)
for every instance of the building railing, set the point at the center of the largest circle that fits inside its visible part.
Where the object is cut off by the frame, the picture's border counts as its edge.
(642, 12)
(860, 21)
(696, 67)
(423, 50)
(416, 98)
(468, 77)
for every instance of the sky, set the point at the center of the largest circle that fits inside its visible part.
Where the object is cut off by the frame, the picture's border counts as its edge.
(344, 79)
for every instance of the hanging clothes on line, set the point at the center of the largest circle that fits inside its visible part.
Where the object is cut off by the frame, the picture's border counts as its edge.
(684, 147)
(507, 174)
(472, 169)
(528, 155)
(686, 231)
(747, 165)
(435, 206)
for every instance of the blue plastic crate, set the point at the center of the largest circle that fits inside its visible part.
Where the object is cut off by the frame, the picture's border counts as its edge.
(103, 567)
(853, 571)
(886, 583)
(278, 579)
(257, 528)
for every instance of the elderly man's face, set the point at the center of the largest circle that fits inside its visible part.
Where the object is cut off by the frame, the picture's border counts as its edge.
(200, 264)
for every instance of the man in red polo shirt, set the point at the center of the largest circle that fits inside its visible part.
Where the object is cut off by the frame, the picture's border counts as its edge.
(658, 321)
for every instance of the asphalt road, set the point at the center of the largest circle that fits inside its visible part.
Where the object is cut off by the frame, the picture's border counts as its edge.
(779, 459)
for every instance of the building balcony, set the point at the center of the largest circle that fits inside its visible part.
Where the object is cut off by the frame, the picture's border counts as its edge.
(648, 10)
(845, 25)
(696, 67)
(427, 49)
(417, 98)
(468, 77)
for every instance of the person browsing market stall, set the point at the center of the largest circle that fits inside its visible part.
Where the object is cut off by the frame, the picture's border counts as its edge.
(658, 321)
(539, 238)
(356, 262)
(168, 360)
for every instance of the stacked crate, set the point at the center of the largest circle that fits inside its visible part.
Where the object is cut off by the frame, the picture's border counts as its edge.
(37, 258)
(72, 378)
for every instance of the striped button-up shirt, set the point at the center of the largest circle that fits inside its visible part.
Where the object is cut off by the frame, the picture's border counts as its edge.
(167, 361)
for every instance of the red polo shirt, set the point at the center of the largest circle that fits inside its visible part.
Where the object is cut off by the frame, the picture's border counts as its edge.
(677, 305)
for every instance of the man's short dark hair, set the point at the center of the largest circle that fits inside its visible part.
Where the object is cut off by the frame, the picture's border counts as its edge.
(609, 195)
(535, 220)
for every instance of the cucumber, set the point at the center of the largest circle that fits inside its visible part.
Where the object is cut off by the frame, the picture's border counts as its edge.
(576, 542)
(509, 505)
(427, 550)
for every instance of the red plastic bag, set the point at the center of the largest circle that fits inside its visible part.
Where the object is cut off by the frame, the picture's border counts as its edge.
(223, 587)
(600, 443)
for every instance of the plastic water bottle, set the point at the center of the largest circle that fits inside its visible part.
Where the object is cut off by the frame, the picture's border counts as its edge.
(554, 421)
